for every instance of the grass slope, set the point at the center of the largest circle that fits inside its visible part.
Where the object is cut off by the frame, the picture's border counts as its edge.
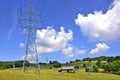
(52, 74)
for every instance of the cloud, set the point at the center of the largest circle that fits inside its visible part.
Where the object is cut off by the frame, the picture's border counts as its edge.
(21, 45)
(81, 52)
(49, 40)
(72, 51)
(100, 47)
(101, 26)
(68, 52)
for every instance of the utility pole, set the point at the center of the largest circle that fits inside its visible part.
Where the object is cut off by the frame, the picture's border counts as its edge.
(27, 21)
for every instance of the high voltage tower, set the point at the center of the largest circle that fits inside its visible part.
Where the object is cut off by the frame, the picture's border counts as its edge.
(28, 20)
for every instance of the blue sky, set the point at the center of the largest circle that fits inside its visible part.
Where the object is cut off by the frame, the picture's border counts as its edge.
(73, 29)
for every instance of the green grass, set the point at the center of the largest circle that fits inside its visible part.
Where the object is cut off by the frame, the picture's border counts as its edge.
(52, 74)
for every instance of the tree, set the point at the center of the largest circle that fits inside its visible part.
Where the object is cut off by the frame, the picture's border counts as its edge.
(90, 60)
(4, 66)
(57, 65)
(98, 63)
(116, 66)
(105, 66)
(71, 62)
(50, 62)
(110, 59)
(88, 69)
(95, 68)
(55, 62)
(87, 59)
(67, 63)
(84, 65)
(77, 60)
(113, 67)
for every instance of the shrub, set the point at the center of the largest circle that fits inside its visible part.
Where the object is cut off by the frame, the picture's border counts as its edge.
(88, 69)
(57, 65)
(95, 68)
(5, 66)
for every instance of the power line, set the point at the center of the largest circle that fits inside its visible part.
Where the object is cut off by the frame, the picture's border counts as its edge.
(53, 10)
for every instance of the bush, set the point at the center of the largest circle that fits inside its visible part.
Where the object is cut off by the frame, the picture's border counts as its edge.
(84, 65)
(98, 63)
(5, 66)
(57, 65)
(88, 69)
(118, 73)
(112, 67)
(95, 68)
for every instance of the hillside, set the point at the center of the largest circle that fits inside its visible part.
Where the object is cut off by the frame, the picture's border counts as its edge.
(52, 74)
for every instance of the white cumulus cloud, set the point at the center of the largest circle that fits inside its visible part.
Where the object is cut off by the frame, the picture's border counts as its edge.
(21, 45)
(100, 47)
(49, 40)
(81, 52)
(72, 51)
(101, 26)
(68, 52)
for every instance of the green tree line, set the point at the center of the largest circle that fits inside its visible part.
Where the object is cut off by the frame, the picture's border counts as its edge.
(102, 58)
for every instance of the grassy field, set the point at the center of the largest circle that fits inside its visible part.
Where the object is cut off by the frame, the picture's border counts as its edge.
(52, 74)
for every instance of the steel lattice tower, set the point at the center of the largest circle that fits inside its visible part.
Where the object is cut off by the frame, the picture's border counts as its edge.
(27, 21)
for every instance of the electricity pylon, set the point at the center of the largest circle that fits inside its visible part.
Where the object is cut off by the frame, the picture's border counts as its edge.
(27, 21)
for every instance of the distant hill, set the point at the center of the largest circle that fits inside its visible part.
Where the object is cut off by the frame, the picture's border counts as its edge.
(102, 58)
(56, 64)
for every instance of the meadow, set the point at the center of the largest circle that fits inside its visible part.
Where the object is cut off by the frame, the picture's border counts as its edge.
(53, 74)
